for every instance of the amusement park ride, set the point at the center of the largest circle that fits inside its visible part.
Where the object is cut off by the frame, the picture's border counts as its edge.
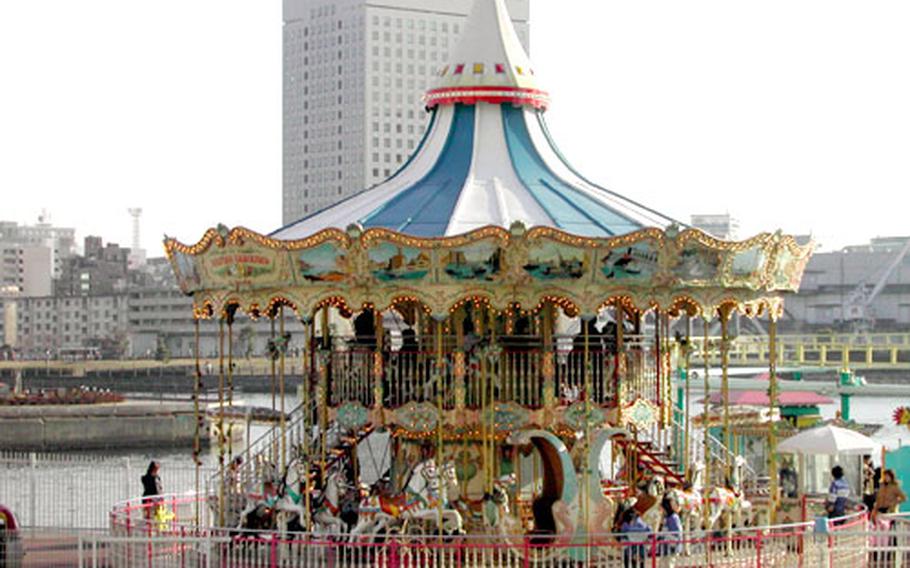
(484, 415)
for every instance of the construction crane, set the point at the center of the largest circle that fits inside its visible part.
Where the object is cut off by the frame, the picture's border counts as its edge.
(857, 307)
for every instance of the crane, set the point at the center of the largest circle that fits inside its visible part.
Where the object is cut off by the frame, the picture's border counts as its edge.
(857, 305)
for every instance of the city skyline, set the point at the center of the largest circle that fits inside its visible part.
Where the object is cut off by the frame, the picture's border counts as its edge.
(709, 108)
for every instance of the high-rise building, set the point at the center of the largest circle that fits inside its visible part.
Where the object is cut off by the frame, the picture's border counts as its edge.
(354, 74)
(27, 268)
(721, 225)
(60, 241)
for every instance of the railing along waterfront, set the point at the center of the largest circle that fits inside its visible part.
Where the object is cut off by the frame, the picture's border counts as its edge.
(76, 490)
(857, 351)
(141, 536)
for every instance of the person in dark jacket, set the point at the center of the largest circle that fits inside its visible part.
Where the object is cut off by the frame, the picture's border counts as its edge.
(151, 487)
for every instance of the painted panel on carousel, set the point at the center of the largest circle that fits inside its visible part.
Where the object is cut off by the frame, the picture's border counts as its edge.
(391, 263)
(246, 266)
(477, 261)
(508, 416)
(748, 264)
(629, 264)
(188, 277)
(577, 416)
(322, 263)
(417, 417)
(698, 263)
(549, 260)
(788, 270)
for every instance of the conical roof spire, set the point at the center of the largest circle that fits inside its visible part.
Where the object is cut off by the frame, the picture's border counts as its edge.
(489, 64)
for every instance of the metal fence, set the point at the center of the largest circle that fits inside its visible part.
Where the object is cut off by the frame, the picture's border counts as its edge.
(77, 491)
(850, 544)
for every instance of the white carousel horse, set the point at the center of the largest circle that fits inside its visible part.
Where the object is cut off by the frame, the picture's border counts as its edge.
(328, 515)
(689, 500)
(725, 500)
(428, 488)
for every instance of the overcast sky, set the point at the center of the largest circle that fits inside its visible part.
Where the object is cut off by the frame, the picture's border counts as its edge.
(791, 114)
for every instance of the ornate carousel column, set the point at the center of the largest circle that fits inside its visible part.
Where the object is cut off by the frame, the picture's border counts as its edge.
(724, 313)
(197, 387)
(773, 405)
(221, 448)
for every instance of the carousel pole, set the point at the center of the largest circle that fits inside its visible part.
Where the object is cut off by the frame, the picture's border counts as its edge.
(706, 417)
(773, 405)
(686, 363)
(221, 449)
(440, 420)
(230, 383)
(281, 362)
(483, 404)
(307, 416)
(272, 361)
(619, 316)
(377, 367)
(658, 360)
(725, 385)
(495, 371)
(586, 477)
(197, 442)
(322, 402)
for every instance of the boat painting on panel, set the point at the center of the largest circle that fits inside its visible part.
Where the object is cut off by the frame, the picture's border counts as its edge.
(322, 263)
(477, 261)
(636, 262)
(549, 260)
(391, 262)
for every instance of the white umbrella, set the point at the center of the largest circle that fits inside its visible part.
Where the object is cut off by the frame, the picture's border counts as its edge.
(829, 440)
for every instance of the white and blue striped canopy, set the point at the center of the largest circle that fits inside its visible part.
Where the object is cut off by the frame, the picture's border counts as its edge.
(483, 161)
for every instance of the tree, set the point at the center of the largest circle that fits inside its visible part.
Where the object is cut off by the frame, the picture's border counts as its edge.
(245, 338)
(162, 351)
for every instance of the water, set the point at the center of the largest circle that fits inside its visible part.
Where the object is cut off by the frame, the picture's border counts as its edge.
(79, 489)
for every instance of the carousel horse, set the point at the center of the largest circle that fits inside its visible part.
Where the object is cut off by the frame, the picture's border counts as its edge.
(726, 501)
(496, 510)
(648, 503)
(688, 499)
(420, 502)
(327, 515)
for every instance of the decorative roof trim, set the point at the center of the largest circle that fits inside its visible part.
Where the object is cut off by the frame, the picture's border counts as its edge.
(494, 95)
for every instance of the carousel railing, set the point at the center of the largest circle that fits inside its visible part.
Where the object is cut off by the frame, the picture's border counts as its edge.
(141, 538)
(512, 373)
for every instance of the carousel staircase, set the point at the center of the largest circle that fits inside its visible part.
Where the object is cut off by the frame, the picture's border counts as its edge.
(261, 461)
(656, 461)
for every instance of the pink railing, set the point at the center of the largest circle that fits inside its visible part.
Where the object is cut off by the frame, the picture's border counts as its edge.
(145, 538)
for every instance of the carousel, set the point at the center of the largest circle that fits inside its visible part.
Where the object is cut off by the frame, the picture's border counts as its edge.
(490, 340)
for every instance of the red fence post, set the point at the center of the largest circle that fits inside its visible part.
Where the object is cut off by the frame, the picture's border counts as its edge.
(393, 554)
(758, 543)
(653, 550)
(273, 552)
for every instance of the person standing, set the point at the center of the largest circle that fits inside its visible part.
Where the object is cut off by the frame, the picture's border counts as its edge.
(636, 533)
(838, 494)
(671, 532)
(868, 483)
(890, 495)
(151, 487)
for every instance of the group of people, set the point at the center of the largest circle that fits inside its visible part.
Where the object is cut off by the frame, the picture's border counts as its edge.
(638, 535)
(882, 493)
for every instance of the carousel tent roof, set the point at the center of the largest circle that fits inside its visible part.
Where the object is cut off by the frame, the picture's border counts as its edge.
(760, 398)
(486, 158)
